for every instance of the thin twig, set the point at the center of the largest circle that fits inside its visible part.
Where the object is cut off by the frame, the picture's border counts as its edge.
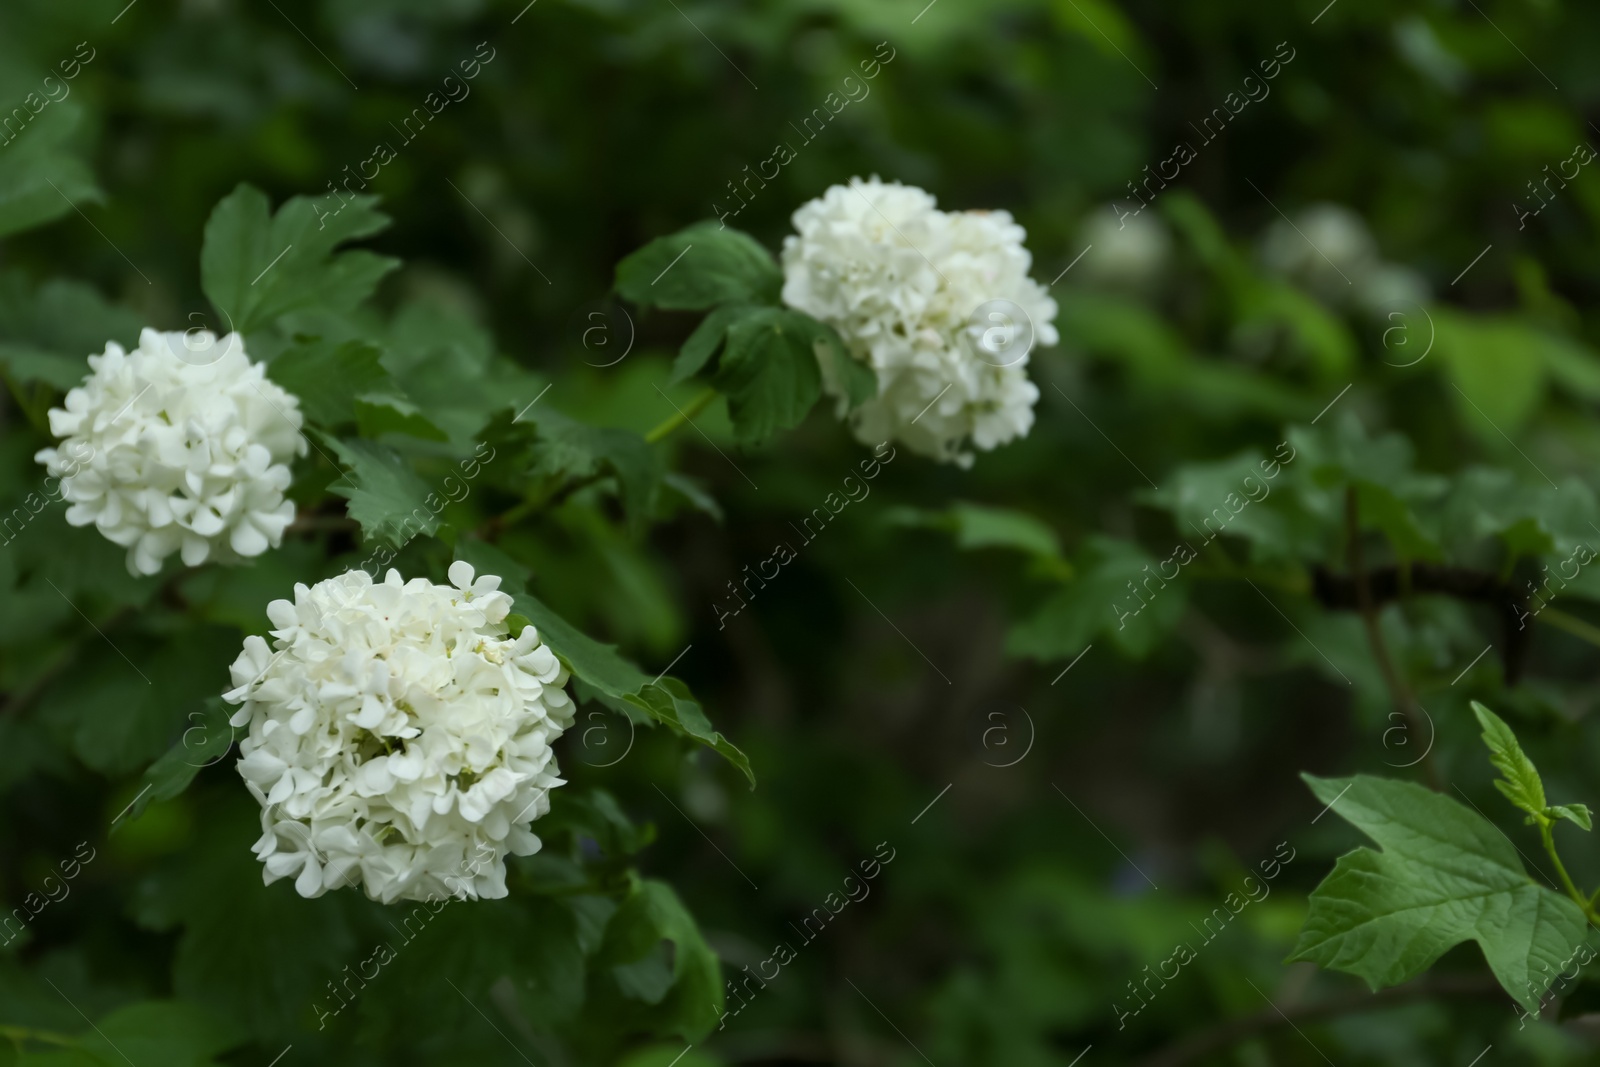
(1573, 625)
(1380, 650)
(491, 528)
(20, 1034)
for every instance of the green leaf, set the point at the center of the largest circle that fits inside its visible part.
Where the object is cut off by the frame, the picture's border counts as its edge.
(48, 332)
(59, 1058)
(666, 700)
(1160, 360)
(1519, 781)
(597, 814)
(213, 892)
(977, 526)
(1576, 813)
(533, 943)
(327, 376)
(769, 371)
(256, 266)
(1445, 875)
(40, 178)
(686, 995)
(1391, 493)
(705, 340)
(982, 526)
(1498, 370)
(700, 267)
(386, 496)
(1313, 331)
(171, 1033)
(567, 449)
(206, 740)
(381, 413)
(842, 374)
(694, 491)
(1245, 495)
(445, 364)
(1530, 519)
(118, 717)
(1119, 591)
(669, 1055)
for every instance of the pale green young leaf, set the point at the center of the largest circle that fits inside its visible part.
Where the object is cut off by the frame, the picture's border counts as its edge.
(1445, 875)
(1519, 781)
(1574, 813)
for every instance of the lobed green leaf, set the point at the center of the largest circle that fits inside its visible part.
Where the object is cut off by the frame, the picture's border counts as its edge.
(1445, 875)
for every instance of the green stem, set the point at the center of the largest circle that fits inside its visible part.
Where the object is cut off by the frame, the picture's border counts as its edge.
(19, 1034)
(1572, 624)
(682, 415)
(1547, 834)
(534, 501)
(521, 511)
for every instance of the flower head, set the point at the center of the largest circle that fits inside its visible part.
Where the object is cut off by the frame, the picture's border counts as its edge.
(938, 303)
(398, 734)
(1131, 249)
(1331, 252)
(181, 445)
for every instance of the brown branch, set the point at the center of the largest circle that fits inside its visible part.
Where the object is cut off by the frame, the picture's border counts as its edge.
(1385, 584)
(1234, 1031)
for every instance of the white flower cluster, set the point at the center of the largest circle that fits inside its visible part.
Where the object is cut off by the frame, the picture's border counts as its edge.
(398, 732)
(938, 303)
(189, 445)
(1330, 251)
(1130, 250)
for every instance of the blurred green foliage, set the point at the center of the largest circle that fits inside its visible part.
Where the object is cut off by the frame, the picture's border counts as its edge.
(1100, 808)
